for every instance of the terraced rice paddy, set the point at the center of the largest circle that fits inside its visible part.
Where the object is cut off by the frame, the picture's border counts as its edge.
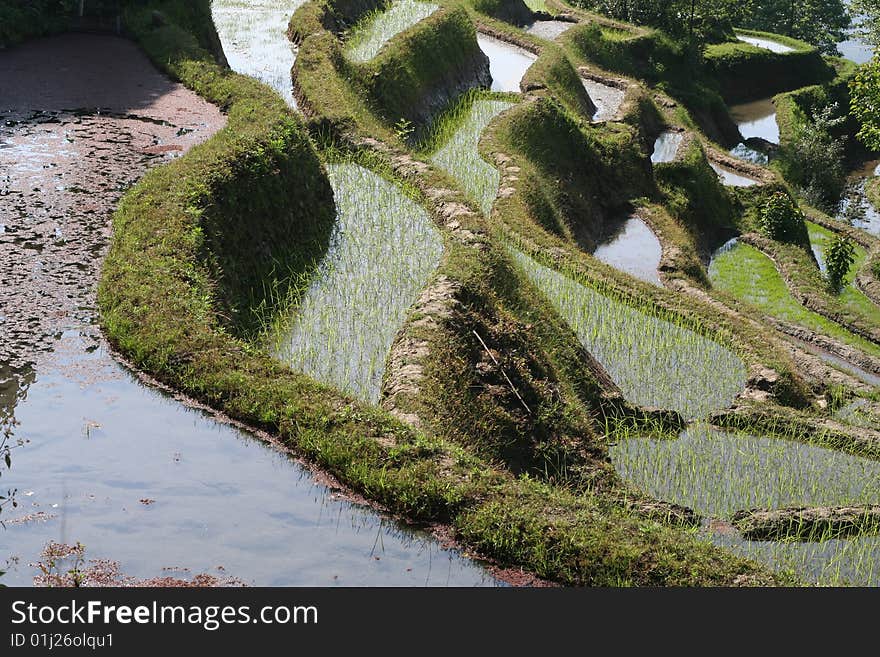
(851, 296)
(507, 63)
(633, 249)
(605, 97)
(751, 276)
(731, 178)
(383, 251)
(549, 30)
(254, 37)
(757, 119)
(460, 158)
(377, 28)
(762, 42)
(666, 146)
(653, 361)
(718, 473)
(836, 562)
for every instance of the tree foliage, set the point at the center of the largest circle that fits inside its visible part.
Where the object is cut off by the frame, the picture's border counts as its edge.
(822, 23)
(781, 219)
(813, 158)
(838, 260)
(864, 90)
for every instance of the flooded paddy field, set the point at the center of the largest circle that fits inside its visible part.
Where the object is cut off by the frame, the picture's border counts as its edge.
(698, 375)
(383, 251)
(718, 473)
(254, 38)
(374, 30)
(634, 249)
(507, 63)
(137, 476)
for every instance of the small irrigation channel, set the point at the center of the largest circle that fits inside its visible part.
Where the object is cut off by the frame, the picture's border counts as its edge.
(373, 31)
(507, 63)
(137, 475)
(254, 38)
(634, 249)
(382, 253)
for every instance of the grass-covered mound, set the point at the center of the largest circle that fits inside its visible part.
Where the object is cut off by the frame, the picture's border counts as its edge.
(746, 72)
(411, 79)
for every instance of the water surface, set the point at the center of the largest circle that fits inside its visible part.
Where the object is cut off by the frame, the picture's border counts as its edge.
(507, 63)
(633, 249)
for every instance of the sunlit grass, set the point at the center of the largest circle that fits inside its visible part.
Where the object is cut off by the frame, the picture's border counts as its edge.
(254, 39)
(458, 154)
(751, 276)
(653, 361)
(378, 27)
(382, 254)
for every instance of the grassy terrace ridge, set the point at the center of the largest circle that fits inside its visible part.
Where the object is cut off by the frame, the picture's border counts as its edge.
(375, 29)
(169, 305)
(747, 72)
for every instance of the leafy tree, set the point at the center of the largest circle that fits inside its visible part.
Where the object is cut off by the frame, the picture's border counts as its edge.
(838, 260)
(780, 219)
(864, 92)
(822, 23)
(813, 159)
(866, 15)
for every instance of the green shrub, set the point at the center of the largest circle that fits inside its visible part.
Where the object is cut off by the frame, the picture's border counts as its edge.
(838, 260)
(780, 218)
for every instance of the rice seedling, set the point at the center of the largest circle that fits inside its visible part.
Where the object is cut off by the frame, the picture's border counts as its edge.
(655, 362)
(850, 295)
(378, 27)
(833, 562)
(459, 155)
(717, 473)
(254, 38)
(382, 253)
(751, 276)
(856, 413)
